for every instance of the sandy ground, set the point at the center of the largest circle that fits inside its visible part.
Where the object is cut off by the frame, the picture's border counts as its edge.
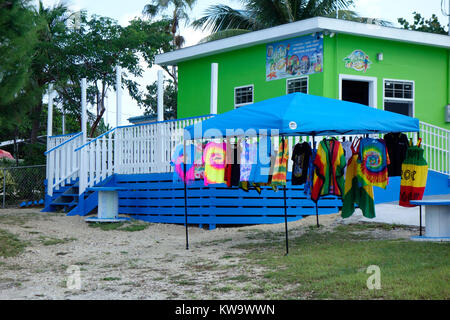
(147, 264)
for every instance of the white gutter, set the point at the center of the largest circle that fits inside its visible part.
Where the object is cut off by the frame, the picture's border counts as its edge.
(300, 28)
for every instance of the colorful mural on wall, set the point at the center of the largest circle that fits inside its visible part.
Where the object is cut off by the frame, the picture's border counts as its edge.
(358, 60)
(294, 57)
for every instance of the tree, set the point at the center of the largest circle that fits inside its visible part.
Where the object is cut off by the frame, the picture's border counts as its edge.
(150, 100)
(17, 39)
(179, 13)
(93, 51)
(420, 24)
(261, 14)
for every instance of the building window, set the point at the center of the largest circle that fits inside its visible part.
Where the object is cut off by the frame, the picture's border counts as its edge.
(297, 85)
(399, 97)
(243, 95)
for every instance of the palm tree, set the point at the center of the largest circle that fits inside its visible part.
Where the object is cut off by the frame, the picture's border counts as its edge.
(179, 10)
(224, 21)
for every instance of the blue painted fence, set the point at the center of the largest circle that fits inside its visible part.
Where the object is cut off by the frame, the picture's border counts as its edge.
(155, 198)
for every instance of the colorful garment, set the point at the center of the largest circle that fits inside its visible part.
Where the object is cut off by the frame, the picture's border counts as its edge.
(356, 194)
(414, 176)
(329, 167)
(280, 167)
(199, 167)
(177, 161)
(214, 161)
(372, 163)
(310, 176)
(248, 157)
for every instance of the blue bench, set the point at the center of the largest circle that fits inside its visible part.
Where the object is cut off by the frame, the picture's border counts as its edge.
(437, 219)
(108, 204)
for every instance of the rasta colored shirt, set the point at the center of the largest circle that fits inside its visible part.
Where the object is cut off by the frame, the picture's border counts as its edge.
(329, 165)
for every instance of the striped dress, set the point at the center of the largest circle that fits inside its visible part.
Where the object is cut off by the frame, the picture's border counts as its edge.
(280, 167)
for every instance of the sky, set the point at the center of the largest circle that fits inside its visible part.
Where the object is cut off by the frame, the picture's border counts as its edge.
(124, 11)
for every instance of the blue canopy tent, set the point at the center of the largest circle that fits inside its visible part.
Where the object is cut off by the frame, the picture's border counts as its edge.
(299, 114)
(302, 114)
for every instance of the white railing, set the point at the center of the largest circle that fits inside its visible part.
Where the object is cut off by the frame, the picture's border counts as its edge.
(147, 148)
(436, 143)
(135, 149)
(55, 141)
(62, 164)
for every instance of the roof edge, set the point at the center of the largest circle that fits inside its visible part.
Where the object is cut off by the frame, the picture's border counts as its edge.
(300, 28)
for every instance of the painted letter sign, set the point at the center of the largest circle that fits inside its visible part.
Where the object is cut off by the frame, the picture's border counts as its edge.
(358, 61)
(294, 57)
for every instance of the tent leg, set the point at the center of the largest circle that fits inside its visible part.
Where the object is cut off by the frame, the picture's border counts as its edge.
(285, 222)
(185, 198)
(420, 220)
(317, 215)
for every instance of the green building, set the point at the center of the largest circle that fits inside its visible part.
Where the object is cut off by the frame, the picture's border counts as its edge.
(387, 68)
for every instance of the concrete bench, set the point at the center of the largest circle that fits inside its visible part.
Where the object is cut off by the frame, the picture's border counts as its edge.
(437, 219)
(108, 204)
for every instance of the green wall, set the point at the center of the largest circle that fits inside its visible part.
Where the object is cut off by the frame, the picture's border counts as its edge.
(427, 66)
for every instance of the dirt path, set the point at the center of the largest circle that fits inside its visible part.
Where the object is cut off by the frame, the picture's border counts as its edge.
(147, 264)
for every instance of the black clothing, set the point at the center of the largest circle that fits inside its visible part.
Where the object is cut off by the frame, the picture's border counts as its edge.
(300, 157)
(397, 144)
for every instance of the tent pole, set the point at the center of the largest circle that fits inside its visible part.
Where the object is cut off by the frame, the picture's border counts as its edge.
(185, 196)
(420, 220)
(285, 206)
(317, 207)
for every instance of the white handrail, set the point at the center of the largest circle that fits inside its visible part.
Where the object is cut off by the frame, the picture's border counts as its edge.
(147, 148)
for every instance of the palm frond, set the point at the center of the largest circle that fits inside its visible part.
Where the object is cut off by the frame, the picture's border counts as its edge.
(223, 34)
(221, 17)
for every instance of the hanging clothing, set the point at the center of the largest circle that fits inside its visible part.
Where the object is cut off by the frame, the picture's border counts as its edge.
(245, 185)
(354, 193)
(347, 146)
(280, 167)
(199, 167)
(329, 167)
(301, 156)
(397, 143)
(248, 158)
(310, 175)
(261, 169)
(232, 167)
(177, 161)
(372, 163)
(214, 160)
(414, 176)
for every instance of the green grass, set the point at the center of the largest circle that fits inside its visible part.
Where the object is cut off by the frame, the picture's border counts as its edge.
(10, 244)
(50, 241)
(111, 279)
(333, 265)
(122, 226)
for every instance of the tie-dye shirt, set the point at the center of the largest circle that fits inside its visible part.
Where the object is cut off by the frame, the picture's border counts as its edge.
(214, 160)
(177, 162)
(373, 163)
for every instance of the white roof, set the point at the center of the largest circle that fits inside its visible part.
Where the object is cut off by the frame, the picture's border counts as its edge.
(300, 28)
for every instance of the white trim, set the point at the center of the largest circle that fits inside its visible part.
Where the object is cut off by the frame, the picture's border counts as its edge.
(295, 78)
(373, 85)
(299, 28)
(413, 100)
(243, 104)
